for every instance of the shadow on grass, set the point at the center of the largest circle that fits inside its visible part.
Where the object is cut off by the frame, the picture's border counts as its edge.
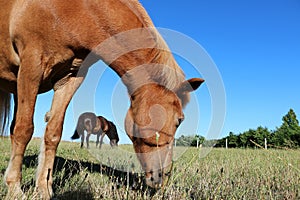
(73, 167)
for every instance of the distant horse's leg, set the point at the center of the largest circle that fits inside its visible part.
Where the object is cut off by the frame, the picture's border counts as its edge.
(82, 139)
(101, 139)
(88, 139)
(29, 78)
(61, 99)
(97, 141)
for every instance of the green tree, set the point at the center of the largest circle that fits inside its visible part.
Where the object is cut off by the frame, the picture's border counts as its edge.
(185, 140)
(246, 137)
(219, 142)
(260, 134)
(288, 134)
(197, 138)
(232, 140)
(190, 140)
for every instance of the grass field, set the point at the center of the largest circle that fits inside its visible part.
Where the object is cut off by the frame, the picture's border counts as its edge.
(115, 173)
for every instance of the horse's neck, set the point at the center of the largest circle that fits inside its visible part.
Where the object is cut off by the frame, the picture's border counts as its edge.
(124, 37)
(135, 46)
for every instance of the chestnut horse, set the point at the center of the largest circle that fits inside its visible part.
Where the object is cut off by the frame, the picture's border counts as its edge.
(45, 44)
(96, 125)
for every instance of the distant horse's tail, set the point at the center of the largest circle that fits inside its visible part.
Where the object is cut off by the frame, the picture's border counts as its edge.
(5, 107)
(79, 129)
(76, 135)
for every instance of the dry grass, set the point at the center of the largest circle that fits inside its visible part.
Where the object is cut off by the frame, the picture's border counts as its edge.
(116, 174)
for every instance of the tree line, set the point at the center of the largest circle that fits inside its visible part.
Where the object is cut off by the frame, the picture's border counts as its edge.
(287, 135)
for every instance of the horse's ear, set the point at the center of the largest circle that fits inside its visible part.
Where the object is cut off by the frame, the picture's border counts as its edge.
(190, 85)
(186, 87)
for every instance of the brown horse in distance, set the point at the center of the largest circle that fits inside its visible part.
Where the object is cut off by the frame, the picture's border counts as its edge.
(96, 125)
(46, 44)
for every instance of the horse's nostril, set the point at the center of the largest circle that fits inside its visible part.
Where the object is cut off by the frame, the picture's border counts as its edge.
(168, 173)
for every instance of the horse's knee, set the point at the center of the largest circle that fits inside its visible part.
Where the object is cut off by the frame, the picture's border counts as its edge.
(52, 135)
(52, 140)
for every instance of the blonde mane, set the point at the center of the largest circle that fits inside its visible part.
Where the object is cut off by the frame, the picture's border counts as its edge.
(167, 73)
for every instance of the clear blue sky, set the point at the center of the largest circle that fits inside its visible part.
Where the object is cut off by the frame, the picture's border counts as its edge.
(255, 46)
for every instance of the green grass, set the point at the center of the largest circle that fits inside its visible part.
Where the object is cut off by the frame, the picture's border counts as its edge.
(221, 174)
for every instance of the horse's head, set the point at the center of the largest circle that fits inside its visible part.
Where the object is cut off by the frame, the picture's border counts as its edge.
(152, 119)
(112, 133)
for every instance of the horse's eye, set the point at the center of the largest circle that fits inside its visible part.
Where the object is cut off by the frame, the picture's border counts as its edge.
(179, 121)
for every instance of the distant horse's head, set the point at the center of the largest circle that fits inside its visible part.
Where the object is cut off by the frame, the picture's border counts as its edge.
(112, 134)
(152, 119)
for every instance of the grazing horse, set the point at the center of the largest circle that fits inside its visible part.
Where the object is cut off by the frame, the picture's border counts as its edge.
(96, 125)
(46, 44)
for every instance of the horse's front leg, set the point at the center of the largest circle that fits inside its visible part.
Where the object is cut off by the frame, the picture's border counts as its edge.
(88, 139)
(97, 141)
(61, 99)
(101, 139)
(29, 78)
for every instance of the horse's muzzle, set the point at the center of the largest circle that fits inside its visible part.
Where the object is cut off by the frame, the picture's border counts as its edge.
(159, 178)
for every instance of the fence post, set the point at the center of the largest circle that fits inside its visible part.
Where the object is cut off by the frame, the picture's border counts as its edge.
(266, 146)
